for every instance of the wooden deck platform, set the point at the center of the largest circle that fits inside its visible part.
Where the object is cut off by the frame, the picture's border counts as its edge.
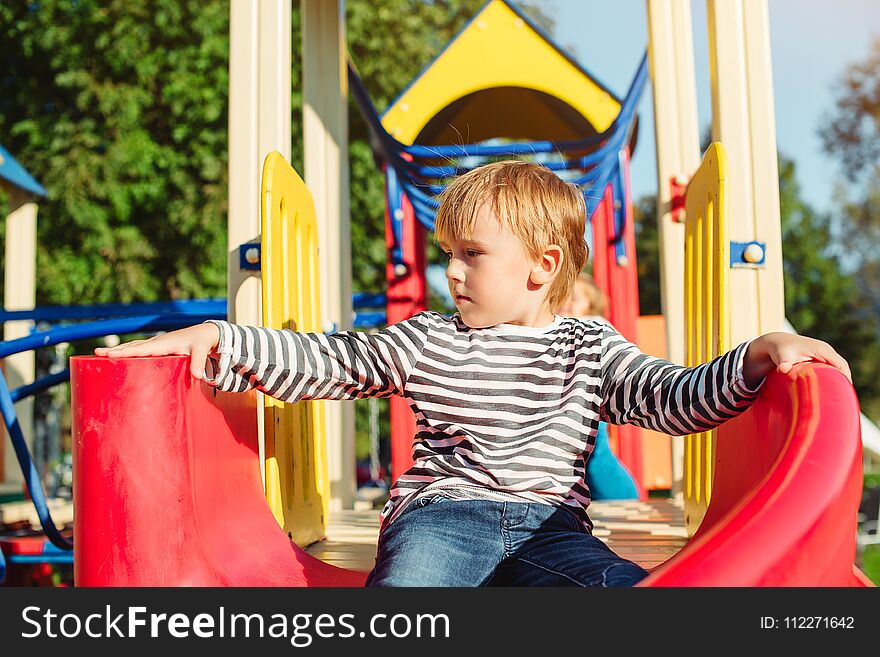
(646, 532)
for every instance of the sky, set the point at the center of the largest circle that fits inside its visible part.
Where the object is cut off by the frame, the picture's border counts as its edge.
(812, 42)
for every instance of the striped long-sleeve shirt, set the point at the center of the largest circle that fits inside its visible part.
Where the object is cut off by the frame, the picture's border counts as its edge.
(503, 413)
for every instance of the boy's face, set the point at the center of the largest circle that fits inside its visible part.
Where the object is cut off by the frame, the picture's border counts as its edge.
(489, 276)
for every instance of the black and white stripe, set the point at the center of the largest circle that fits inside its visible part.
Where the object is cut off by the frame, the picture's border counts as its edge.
(503, 413)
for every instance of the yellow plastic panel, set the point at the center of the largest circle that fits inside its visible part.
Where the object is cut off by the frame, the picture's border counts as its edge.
(707, 323)
(297, 483)
(497, 49)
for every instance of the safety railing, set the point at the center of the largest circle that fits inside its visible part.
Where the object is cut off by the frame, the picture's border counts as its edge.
(707, 322)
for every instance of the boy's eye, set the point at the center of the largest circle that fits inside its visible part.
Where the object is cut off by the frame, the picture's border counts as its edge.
(473, 254)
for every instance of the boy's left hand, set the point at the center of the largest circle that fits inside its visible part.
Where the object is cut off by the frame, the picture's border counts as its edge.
(782, 351)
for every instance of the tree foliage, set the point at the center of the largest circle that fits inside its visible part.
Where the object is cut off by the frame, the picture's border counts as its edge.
(853, 133)
(821, 299)
(852, 137)
(647, 254)
(119, 110)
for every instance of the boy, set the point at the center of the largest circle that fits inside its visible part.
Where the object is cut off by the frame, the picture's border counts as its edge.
(507, 394)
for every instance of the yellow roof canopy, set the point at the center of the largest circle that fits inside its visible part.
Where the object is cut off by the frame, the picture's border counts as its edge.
(500, 77)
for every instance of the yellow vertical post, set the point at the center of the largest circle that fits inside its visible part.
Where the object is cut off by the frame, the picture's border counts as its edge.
(297, 486)
(707, 257)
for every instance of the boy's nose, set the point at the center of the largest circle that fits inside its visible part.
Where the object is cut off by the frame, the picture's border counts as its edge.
(454, 272)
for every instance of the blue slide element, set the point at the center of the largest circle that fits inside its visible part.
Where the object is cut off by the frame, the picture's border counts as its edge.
(607, 478)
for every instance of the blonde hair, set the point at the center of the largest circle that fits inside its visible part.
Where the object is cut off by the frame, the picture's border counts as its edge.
(598, 301)
(530, 201)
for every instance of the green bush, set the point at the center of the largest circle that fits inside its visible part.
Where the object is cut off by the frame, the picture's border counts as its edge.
(871, 563)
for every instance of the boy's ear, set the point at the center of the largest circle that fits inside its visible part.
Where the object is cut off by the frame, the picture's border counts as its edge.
(548, 266)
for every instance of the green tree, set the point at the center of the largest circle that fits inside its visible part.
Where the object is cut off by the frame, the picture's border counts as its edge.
(821, 299)
(119, 109)
(647, 254)
(852, 134)
(852, 137)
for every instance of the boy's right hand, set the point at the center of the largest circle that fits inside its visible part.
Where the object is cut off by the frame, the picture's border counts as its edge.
(197, 342)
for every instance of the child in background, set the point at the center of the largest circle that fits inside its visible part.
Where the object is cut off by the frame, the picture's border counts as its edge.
(508, 395)
(607, 477)
(586, 300)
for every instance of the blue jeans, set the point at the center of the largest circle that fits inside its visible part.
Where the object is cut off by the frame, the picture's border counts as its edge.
(436, 541)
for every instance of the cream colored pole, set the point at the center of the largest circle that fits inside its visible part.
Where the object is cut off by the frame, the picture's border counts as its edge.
(671, 51)
(743, 118)
(325, 135)
(19, 289)
(259, 122)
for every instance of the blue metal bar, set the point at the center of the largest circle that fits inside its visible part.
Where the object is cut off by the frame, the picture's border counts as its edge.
(39, 385)
(105, 310)
(28, 469)
(620, 210)
(144, 323)
(416, 195)
(212, 308)
(41, 558)
(395, 213)
(361, 300)
(370, 319)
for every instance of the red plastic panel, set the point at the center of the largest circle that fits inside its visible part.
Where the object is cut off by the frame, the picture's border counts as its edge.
(24, 544)
(406, 295)
(787, 490)
(620, 284)
(167, 486)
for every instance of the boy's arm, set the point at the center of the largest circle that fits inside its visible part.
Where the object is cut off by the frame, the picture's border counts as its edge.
(656, 394)
(294, 366)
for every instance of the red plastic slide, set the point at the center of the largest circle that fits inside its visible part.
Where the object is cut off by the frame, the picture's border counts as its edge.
(787, 489)
(167, 487)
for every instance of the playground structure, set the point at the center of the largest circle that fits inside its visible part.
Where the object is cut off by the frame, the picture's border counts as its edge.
(207, 508)
(215, 440)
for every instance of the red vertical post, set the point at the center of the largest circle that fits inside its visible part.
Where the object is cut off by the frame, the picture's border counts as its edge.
(628, 287)
(619, 280)
(406, 296)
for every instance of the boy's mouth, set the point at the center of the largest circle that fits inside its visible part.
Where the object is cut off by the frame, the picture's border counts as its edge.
(460, 297)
